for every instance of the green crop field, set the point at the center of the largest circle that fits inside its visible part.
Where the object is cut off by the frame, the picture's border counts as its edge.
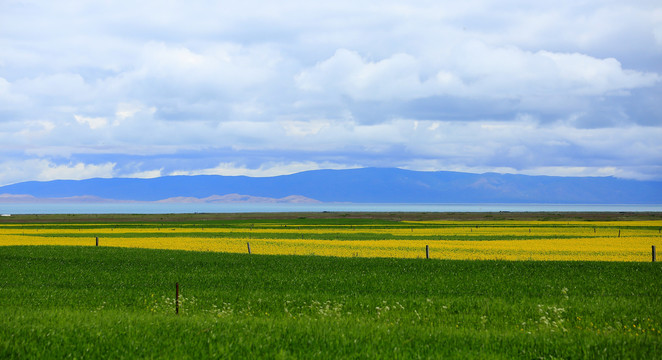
(98, 302)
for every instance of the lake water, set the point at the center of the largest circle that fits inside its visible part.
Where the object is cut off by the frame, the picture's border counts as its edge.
(179, 208)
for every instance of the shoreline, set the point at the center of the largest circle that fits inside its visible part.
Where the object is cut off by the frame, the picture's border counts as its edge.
(386, 216)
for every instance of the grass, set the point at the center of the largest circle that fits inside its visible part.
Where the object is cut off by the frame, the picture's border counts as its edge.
(74, 302)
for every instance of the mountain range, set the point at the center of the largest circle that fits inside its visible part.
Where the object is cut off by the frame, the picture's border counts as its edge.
(365, 185)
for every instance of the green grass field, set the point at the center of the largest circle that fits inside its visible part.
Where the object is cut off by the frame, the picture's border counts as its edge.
(88, 302)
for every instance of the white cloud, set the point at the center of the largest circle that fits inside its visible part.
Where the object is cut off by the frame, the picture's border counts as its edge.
(219, 69)
(67, 87)
(128, 110)
(585, 75)
(76, 171)
(514, 85)
(9, 99)
(304, 128)
(475, 70)
(572, 171)
(148, 174)
(92, 122)
(4, 87)
(397, 77)
(45, 170)
(596, 171)
(32, 130)
(266, 169)
(443, 165)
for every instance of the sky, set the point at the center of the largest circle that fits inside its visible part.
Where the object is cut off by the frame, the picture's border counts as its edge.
(262, 88)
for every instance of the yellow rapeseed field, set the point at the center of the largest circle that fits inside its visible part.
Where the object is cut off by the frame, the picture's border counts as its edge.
(505, 240)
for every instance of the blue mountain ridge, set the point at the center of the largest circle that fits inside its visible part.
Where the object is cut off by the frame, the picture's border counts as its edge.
(365, 185)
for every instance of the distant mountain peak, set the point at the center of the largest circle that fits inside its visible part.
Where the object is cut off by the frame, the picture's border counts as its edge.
(237, 198)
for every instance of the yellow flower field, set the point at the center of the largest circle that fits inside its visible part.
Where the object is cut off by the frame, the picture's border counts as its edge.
(505, 240)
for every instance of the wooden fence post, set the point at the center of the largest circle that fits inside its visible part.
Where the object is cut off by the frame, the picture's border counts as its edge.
(427, 251)
(249, 247)
(176, 298)
(653, 253)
